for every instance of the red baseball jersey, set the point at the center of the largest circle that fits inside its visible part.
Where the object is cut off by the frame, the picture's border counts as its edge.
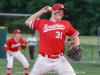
(52, 35)
(12, 41)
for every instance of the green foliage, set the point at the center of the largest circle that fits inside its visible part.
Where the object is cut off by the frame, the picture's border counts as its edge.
(36, 5)
(17, 23)
(83, 14)
(13, 6)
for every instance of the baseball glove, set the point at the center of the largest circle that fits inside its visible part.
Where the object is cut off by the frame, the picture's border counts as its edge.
(24, 46)
(75, 53)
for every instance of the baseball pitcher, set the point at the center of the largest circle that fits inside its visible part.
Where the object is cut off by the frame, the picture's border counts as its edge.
(52, 34)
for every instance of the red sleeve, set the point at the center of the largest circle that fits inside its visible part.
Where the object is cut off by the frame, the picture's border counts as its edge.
(7, 45)
(72, 32)
(35, 24)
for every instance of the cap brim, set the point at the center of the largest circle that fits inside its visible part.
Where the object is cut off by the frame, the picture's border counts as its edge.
(65, 9)
(17, 33)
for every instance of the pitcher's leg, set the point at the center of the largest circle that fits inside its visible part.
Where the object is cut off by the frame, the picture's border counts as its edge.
(64, 68)
(42, 66)
(39, 69)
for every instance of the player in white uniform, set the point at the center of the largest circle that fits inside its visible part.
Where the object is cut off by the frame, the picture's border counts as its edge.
(12, 48)
(52, 38)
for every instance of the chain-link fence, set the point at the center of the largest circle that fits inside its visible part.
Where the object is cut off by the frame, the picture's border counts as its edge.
(90, 53)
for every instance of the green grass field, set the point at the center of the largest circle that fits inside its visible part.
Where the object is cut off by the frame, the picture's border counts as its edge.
(89, 64)
(81, 68)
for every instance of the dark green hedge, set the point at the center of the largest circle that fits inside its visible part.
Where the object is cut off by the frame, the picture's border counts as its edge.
(83, 14)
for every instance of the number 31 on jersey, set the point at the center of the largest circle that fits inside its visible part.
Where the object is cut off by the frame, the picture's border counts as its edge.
(58, 35)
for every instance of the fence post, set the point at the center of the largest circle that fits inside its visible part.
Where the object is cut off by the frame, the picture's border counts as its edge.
(99, 41)
(92, 53)
(3, 32)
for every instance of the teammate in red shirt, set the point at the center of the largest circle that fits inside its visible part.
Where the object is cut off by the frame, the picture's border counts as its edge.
(52, 34)
(12, 48)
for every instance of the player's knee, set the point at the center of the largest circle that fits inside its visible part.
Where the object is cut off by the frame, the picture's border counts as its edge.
(10, 65)
(26, 65)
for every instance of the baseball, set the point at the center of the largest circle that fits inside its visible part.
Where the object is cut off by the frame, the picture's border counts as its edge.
(49, 9)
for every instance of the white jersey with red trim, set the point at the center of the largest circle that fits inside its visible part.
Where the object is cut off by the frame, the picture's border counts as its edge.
(52, 35)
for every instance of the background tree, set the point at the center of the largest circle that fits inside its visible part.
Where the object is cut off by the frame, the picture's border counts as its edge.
(83, 14)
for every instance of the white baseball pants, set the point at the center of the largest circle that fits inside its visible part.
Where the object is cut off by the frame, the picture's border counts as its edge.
(19, 56)
(45, 65)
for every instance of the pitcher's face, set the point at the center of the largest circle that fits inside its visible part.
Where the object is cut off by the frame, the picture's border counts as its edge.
(58, 14)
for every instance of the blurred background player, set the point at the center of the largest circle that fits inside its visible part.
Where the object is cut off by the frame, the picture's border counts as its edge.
(12, 47)
(70, 43)
(31, 44)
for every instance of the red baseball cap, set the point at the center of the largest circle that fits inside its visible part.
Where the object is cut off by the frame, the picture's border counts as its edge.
(59, 6)
(17, 31)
